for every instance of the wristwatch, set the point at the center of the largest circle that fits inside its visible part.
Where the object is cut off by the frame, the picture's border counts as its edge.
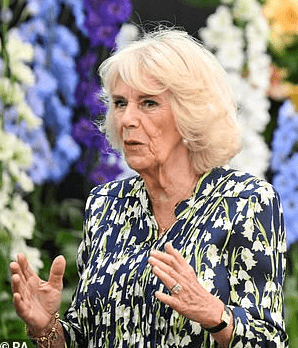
(225, 321)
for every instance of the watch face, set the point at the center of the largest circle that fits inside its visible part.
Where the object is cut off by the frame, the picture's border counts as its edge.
(226, 316)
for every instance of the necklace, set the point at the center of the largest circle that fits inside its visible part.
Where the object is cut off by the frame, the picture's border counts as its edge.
(163, 228)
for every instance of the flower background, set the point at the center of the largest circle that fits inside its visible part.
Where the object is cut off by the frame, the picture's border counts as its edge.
(52, 153)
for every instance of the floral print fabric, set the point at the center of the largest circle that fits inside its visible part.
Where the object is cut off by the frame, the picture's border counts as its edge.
(230, 231)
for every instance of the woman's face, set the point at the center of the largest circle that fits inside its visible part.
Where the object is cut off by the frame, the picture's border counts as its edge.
(146, 126)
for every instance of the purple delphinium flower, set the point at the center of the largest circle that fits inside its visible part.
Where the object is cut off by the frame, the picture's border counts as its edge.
(87, 94)
(85, 65)
(85, 132)
(104, 35)
(105, 172)
(118, 11)
(103, 20)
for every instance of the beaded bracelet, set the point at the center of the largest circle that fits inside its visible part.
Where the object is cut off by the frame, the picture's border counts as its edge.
(48, 337)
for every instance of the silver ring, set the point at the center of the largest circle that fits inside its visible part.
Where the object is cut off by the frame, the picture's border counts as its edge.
(176, 289)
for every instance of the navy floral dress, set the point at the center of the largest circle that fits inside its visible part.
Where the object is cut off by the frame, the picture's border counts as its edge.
(230, 231)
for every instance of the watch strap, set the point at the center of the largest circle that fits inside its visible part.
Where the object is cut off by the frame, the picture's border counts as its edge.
(225, 321)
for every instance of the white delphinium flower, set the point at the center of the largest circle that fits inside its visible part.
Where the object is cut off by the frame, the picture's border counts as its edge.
(231, 56)
(16, 157)
(5, 191)
(219, 27)
(253, 113)
(14, 93)
(11, 92)
(254, 157)
(246, 10)
(33, 254)
(20, 176)
(248, 67)
(14, 150)
(6, 146)
(23, 222)
(16, 220)
(19, 54)
(257, 32)
(26, 113)
(259, 72)
(259, 61)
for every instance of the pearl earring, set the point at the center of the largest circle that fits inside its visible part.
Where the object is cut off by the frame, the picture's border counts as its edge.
(185, 142)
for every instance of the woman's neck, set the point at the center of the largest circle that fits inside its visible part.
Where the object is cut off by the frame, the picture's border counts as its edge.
(166, 188)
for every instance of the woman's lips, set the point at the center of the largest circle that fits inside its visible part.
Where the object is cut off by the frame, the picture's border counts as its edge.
(132, 142)
(132, 145)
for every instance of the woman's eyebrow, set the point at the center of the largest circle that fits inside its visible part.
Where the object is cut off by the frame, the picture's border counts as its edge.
(140, 97)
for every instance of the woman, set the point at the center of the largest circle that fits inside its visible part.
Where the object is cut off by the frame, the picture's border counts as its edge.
(189, 253)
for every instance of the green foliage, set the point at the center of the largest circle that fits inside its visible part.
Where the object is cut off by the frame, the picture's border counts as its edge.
(291, 297)
(287, 57)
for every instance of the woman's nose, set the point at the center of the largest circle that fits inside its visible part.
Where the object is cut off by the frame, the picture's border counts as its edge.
(130, 117)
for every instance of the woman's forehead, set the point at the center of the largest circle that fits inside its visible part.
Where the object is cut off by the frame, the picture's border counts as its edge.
(145, 83)
(125, 90)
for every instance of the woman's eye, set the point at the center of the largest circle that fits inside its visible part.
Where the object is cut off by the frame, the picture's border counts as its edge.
(119, 103)
(149, 104)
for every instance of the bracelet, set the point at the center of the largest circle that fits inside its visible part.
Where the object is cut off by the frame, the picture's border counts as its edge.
(225, 321)
(50, 336)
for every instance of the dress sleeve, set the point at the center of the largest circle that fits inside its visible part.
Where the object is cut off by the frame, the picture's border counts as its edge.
(74, 337)
(256, 263)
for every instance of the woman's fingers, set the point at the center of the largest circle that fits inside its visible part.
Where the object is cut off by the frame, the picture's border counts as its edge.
(57, 272)
(171, 268)
(18, 295)
(168, 279)
(25, 268)
(15, 283)
(171, 257)
(18, 282)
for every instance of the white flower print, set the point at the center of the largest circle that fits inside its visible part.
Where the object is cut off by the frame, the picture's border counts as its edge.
(247, 258)
(212, 254)
(257, 245)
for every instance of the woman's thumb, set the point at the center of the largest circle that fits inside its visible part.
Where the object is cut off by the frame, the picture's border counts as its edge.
(57, 272)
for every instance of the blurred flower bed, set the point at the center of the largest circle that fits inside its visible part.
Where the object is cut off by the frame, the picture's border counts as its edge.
(50, 144)
(49, 102)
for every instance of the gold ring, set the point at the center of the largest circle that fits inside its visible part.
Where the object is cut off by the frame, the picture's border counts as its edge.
(176, 289)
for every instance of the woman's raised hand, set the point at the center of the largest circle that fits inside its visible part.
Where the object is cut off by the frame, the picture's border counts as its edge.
(35, 300)
(188, 298)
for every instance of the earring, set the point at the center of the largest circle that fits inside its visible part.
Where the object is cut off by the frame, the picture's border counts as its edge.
(185, 141)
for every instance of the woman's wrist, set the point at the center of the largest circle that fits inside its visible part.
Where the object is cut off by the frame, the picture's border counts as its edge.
(47, 333)
(224, 321)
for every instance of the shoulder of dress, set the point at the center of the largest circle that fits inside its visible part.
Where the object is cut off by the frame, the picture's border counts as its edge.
(237, 183)
(118, 188)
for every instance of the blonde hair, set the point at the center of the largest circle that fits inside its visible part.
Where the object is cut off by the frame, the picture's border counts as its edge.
(201, 98)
